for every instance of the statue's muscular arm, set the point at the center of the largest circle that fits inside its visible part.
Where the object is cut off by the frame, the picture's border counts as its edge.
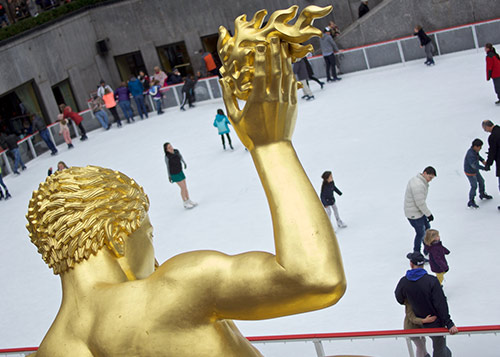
(306, 273)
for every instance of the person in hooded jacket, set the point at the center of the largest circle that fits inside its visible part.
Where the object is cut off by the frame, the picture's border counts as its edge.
(493, 68)
(426, 297)
(222, 123)
(437, 252)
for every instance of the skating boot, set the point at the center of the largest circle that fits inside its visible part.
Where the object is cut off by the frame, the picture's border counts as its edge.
(188, 204)
(341, 224)
(194, 204)
(1, 194)
(485, 196)
(7, 195)
(472, 204)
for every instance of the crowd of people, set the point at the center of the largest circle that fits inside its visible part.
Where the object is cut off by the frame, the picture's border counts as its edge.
(12, 11)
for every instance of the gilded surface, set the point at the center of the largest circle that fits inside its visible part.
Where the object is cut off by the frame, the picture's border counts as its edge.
(96, 234)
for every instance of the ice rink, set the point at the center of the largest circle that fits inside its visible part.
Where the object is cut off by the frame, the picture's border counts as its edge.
(374, 130)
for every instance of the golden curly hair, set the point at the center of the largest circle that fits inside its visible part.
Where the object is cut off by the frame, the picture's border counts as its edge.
(76, 211)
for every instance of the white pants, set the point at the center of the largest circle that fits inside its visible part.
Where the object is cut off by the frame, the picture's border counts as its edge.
(333, 208)
(306, 89)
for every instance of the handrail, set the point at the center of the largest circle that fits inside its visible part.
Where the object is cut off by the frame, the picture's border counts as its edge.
(464, 330)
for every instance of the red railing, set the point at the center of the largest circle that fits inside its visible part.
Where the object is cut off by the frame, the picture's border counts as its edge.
(318, 337)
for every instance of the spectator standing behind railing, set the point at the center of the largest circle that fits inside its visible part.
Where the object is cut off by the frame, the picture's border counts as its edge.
(97, 108)
(159, 75)
(123, 95)
(41, 127)
(101, 89)
(426, 297)
(77, 119)
(7, 194)
(174, 77)
(137, 90)
(10, 142)
(144, 79)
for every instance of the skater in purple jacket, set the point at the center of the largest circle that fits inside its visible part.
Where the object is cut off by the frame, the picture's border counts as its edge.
(437, 252)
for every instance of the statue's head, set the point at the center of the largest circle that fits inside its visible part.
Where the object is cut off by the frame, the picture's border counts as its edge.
(79, 210)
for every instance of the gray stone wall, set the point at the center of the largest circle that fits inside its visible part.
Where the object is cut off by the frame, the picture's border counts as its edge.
(397, 18)
(67, 49)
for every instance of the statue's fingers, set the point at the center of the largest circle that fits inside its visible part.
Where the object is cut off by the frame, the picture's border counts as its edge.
(259, 78)
(287, 72)
(230, 101)
(276, 61)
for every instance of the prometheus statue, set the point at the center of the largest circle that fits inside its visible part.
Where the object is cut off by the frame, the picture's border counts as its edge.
(92, 228)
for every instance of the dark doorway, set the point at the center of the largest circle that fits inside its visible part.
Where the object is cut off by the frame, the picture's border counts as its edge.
(210, 45)
(129, 65)
(64, 94)
(175, 56)
(15, 106)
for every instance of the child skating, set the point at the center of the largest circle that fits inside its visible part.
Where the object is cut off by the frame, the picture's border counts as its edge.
(437, 252)
(222, 123)
(174, 161)
(64, 130)
(328, 199)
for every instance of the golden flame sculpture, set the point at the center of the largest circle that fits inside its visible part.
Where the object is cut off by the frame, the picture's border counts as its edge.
(91, 226)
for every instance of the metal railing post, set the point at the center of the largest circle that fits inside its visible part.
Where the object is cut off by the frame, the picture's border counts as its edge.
(474, 36)
(400, 48)
(319, 348)
(437, 44)
(32, 148)
(366, 59)
(410, 347)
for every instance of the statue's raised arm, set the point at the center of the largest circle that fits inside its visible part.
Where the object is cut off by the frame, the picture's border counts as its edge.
(92, 228)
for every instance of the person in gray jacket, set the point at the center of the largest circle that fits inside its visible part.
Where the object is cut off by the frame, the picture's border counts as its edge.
(415, 207)
(471, 168)
(328, 49)
(41, 127)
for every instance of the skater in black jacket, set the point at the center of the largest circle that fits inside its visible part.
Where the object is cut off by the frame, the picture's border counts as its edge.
(425, 42)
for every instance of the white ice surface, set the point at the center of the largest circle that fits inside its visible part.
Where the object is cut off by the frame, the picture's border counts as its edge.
(375, 130)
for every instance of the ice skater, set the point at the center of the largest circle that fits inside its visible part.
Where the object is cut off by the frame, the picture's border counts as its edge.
(437, 252)
(327, 198)
(426, 42)
(155, 93)
(471, 168)
(493, 68)
(7, 194)
(222, 124)
(64, 130)
(174, 161)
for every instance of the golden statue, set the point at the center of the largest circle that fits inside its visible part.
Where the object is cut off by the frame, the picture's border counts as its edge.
(92, 228)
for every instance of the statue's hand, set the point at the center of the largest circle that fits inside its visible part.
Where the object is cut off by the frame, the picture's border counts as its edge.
(270, 111)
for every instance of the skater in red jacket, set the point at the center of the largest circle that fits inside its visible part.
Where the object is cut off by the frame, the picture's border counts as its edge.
(493, 68)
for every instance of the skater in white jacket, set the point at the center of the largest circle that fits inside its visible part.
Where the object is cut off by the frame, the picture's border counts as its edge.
(415, 207)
